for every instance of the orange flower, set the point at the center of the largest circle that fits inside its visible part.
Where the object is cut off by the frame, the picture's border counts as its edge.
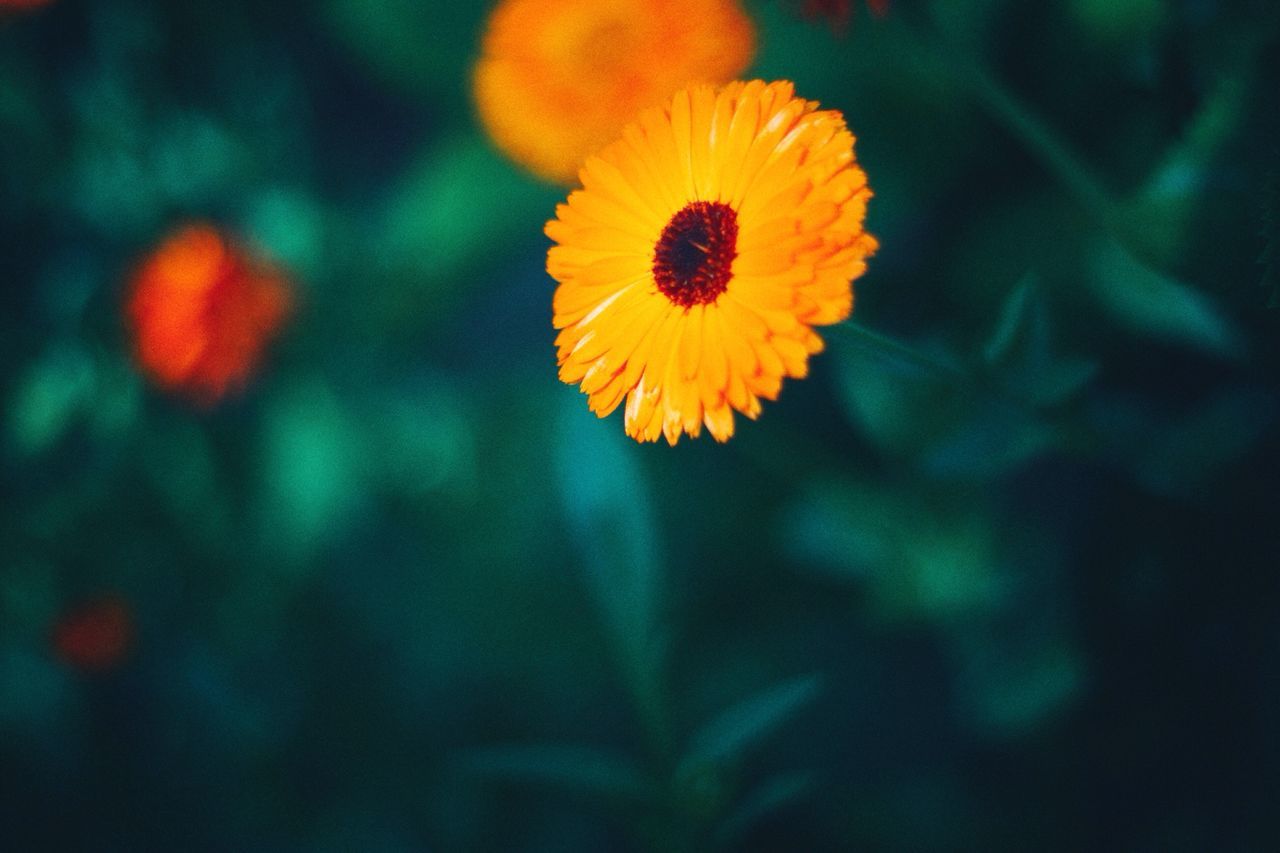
(558, 79)
(704, 247)
(96, 635)
(201, 312)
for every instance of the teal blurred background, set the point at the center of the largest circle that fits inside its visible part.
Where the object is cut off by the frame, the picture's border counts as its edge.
(1004, 580)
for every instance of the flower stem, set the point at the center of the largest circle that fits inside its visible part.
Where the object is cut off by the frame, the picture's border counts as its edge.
(961, 65)
(1015, 117)
(881, 344)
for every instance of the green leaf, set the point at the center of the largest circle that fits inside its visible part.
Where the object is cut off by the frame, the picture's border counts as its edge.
(1179, 457)
(917, 406)
(903, 405)
(1163, 212)
(50, 397)
(460, 201)
(762, 801)
(1014, 318)
(1023, 358)
(742, 726)
(919, 554)
(1058, 381)
(452, 217)
(605, 496)
(1185, 165)
(424, 48)
(1154, 306)
(29, 598)
(424, 440)
(293, 227)
(1010, 687)
(578, 768)
(36, 695)
(989, 442)
(314, 467)
(1123, 23)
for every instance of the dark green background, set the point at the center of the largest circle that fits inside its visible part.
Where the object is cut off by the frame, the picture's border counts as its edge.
(1013, 588)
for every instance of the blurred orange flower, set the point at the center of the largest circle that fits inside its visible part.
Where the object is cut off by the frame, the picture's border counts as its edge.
(558, 79)
(202, 311)
(704, 247)
(96, 635)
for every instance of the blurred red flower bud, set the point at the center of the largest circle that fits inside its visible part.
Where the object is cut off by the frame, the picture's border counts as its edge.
(96, 635)
(202, 311)
(838, 12)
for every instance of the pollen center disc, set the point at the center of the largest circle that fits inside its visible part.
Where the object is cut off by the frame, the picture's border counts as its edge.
(693, 259)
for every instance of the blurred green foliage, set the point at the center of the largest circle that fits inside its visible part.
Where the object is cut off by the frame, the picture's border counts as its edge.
(1000, 575)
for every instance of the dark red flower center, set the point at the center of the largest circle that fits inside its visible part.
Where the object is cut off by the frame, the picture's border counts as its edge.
(694, 256)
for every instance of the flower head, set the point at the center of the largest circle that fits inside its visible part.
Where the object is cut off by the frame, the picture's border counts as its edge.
(202, 311)
(701, 251)
(558, 79)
